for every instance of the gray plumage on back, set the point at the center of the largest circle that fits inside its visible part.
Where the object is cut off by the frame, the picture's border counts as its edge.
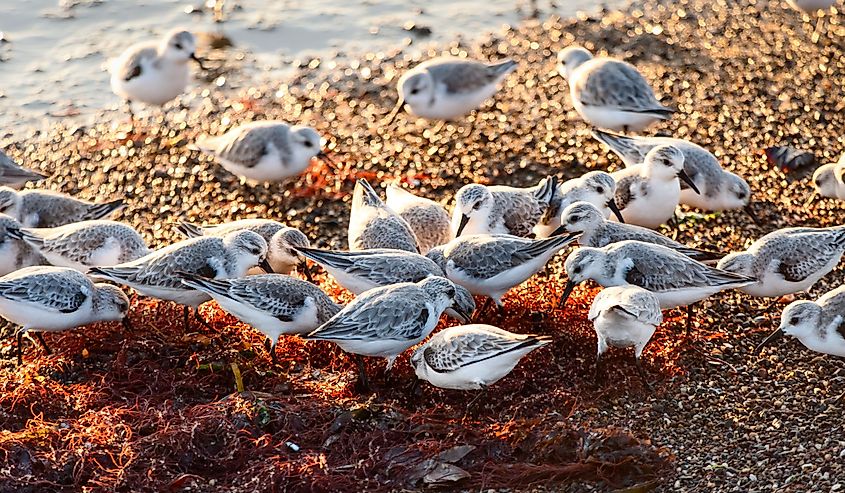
(15, 253)
(427, 218)
(247, 144)
(501, 209)
(48, 209)
(619, 85)
(449, 354)
(460, 75)
(374, 225)
(380, 266)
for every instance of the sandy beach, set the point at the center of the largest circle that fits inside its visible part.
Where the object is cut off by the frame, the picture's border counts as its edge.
(156, 408)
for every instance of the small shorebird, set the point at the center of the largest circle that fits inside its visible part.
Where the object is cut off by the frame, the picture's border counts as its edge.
(490, 265)
(158, 274)
(384, 322)
(44, 298)
(788, 260)
(609, 93)
(447, 88)
(85, 244)
(595, 187)
(154, 72)
(674, 278)
(48, 209)
(372, 224)
(819, 325)
(647, 194)
(472, 357)
(719, 189)
(597, 232)
(274, 304)
(265, 151)
(625, 316)
(282, 240)
(498, 209)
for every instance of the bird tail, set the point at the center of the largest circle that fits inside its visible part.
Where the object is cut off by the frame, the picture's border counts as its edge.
(698, 254)
(661, 112)
(205, 284)
(367, 194)
(503, 67)
(23, 174)
(546, 189)
(324, 257)
(552, 243)
(99, 211)
(190, 230)
(26, 236)
(116, 274)
(617, 143)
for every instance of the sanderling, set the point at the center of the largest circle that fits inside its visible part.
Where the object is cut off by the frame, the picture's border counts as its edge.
(648, 193)
(625, 316)
(472, 357)
(372, 224)
(154, 72)
(45, 298)
(384, 322)
(85, 244)
(447, 88)
(609, 93)
(595, 187)
(597, 232)
(281, 240)
(155, 275)
(427, 218)
(788, 260)
(490, 265)
(14, 175)
(498, 209)
(819, 325)
(720, 189)
(265, 151)
(14, 253)
(829, 180)
(674, 278)
(368, 269)
(274, 304)
(48, 209)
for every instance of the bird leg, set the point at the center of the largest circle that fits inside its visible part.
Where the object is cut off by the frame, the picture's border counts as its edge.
(478, 396)
(642, 372)
(363, 382)
(271, 348)
(484, 307)
(598, 374)
(43, 343)
(185, 312)
(19, 337)
(201, 320)
(690, 310)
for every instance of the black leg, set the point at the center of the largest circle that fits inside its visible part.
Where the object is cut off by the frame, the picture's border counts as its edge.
(690, 310)
(641, 371)
(363, 381)
(270, 346)
(19, 336)
(43, 343)
(201, 320)
(484, 307)
(598, 375)
(185, 312)
(625, 129)
(478, 396)
(127, 325)
(500, 310)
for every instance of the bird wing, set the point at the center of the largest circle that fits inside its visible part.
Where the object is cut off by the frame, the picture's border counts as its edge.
(449, 354)
(130, 66)
(462, 76)
(60, 291)
(660, 269)
(621, 86)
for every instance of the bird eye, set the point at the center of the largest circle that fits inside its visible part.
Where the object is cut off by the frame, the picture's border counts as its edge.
(600, 189)
(450, 293)
(793, 321)
(476, 206)
(577, 270)
(414, 91)
(178, 46)
(308, 144)
(573, 219)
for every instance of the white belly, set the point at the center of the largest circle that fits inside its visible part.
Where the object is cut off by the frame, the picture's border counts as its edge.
(30, 316)
(774, 284)
(473, 377)
(153, 86)
(447, 107)
(618, 331)
(655, 209)
(613, 119)
(496, 286)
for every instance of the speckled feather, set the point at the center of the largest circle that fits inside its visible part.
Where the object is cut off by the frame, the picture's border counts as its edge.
(79, 241)
(444, 354)
(247, 144)
(48, 288)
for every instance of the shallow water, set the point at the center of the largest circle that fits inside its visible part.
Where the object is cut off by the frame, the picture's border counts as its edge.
(53, 65)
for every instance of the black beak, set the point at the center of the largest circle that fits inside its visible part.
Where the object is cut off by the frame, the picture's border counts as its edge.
(464, 318)
(264, 264)
(684, 176)
(559, 231)
(197, 59)
(462, 225)
(615, 209)
(326, 159)
(305, 270)
(749, 209)
(772, 338)
(570, 285)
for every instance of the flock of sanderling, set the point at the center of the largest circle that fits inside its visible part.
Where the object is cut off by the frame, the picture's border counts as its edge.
(409, 260)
